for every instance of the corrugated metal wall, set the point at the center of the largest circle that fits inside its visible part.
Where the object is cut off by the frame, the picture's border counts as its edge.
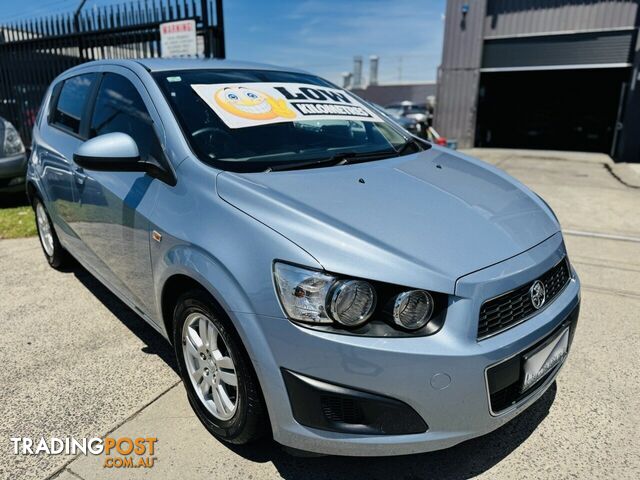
(458, 75)
(458, 78)
(463, 34)
(518, 17)
(387, 94)
(455, 116)
(588, 48)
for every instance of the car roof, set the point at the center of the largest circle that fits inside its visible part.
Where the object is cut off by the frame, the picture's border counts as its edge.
(169, 64)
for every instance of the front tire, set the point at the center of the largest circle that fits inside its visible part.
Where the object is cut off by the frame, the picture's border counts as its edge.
(51, 247)
(221, 384)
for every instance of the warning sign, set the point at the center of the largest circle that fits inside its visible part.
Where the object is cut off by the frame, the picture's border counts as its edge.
(178, 39)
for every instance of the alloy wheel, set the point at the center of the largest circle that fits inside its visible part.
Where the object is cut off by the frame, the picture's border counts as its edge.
(44, 229)
(210, 366)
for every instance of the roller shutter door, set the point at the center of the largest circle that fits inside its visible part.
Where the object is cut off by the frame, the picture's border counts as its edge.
(607, 48)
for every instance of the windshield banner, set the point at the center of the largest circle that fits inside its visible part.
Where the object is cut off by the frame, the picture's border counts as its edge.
(249, 104)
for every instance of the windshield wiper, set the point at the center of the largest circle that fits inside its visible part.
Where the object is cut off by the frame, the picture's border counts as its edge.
(412, 142)
(350, 157)
(300, 165)
(341, 158)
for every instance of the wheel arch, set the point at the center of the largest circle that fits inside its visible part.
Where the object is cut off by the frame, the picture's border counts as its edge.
(174, 287)
(222, 291)
(32, 191)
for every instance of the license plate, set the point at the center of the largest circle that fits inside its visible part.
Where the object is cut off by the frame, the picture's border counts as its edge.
(541, 361)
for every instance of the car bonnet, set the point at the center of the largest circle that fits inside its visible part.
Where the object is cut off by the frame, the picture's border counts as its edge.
(421, 220)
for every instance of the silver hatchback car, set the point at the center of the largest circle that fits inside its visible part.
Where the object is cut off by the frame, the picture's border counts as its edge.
(322, 275)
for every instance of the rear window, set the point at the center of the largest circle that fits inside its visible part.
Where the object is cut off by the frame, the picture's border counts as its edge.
(71, 102)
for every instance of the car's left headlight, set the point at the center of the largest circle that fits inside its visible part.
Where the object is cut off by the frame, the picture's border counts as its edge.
(324, 300)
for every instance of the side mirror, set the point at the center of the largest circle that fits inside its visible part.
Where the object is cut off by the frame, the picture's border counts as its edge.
(110, 152)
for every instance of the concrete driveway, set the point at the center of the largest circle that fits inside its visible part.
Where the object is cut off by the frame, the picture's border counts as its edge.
(77, 362)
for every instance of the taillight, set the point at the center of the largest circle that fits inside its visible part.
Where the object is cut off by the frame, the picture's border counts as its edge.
(441, 141)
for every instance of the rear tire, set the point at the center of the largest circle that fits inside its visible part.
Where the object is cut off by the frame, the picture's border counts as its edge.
(211, 360)
(53, 251)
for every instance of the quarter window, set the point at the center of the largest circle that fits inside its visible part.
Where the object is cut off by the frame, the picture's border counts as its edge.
(120, 108)
(71, 102)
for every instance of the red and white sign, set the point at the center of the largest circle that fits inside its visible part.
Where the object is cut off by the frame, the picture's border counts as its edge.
(178, 39)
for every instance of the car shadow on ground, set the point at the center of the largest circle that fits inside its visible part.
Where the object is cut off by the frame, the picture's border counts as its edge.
(155, 344)
(462, 461)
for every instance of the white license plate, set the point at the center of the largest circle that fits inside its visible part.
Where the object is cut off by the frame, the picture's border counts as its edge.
(541, 361)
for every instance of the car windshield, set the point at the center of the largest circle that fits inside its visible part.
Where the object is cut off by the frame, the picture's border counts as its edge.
(252, 144)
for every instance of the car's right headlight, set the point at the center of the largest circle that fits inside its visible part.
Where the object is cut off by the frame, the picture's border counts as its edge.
(365, 307)
(12, 144)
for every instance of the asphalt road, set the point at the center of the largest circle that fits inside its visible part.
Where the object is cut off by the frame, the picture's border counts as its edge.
(74, 361)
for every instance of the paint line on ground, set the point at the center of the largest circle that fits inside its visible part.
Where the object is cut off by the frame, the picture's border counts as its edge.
(607, 236)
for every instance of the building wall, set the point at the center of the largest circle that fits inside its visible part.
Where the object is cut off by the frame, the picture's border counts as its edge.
(386, 94)
(463, 34)
(628, 146)
(523, 17)
(455, 113)
(459, 74)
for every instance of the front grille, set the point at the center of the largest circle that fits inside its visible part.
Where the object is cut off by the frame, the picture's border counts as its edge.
(515, 306)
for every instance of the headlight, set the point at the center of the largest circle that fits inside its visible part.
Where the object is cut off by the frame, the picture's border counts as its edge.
(12, 144)
(328, 301)
(352, 302)
(303, 293)
(413, 309)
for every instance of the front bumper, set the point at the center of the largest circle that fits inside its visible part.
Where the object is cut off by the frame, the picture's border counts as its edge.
(441, 377)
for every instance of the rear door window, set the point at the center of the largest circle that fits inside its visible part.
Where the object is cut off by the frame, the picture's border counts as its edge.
(71, 102)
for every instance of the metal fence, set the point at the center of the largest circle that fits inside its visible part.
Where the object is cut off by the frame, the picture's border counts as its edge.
(33, 52)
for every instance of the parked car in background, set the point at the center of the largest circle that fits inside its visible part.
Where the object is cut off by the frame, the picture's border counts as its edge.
(322, 275)
(418, 112)
(409, 124)
(13, 161)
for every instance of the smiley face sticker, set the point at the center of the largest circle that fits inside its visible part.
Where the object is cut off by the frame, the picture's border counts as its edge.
(252, 104)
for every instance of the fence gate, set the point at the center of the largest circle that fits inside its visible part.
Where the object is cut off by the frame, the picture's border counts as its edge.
(33, 52)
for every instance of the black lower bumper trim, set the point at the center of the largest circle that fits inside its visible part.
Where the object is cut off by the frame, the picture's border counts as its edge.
(326, 406)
